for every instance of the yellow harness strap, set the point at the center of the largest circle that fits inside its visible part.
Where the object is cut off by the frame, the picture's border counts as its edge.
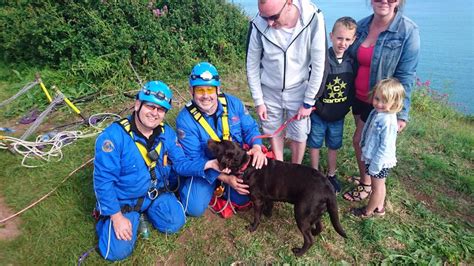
(143, 151)
(197, 115)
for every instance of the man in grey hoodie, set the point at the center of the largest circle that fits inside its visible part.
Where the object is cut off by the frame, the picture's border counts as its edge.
(286, 59)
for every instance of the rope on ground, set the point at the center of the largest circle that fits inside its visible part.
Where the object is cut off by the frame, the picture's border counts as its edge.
(48, 147)
(48, 194)
(19, 93)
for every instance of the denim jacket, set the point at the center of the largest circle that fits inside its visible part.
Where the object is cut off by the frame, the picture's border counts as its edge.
(378, 142)
(396, 54)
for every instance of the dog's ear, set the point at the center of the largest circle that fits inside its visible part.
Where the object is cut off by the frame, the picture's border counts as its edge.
(214, 146)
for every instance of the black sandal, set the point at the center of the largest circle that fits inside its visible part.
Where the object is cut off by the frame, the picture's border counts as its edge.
(362, 212)
(355, 194)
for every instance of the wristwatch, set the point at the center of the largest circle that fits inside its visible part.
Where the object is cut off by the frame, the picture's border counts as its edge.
(307, 106)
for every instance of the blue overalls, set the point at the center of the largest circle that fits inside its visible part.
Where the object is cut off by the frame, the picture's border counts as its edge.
(196, 191)
(122, 177)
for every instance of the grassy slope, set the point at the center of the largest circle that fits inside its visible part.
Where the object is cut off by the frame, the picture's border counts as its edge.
(429, 219)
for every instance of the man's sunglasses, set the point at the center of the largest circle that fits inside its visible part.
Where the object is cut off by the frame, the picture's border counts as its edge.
(205, 90)
(276, 16)
(388, 1)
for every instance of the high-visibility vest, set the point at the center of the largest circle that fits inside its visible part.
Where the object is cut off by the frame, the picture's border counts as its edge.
(198, 116)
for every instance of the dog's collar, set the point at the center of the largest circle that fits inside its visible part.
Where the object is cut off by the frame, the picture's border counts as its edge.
(244, 167)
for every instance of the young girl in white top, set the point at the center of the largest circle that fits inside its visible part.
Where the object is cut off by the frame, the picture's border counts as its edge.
(378, 142)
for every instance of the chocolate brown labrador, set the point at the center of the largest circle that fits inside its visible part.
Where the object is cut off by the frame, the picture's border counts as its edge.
(305, 187)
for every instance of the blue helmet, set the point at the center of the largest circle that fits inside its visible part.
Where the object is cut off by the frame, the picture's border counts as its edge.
(156, 92)
(204, 74)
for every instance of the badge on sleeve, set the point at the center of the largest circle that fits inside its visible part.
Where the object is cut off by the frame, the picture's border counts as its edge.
(107, 146)
(181, 134)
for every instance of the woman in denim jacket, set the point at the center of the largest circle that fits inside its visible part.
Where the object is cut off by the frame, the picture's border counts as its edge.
(387, 45)
(378, 143)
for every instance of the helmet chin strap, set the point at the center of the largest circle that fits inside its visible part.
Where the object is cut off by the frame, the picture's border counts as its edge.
(138, 112)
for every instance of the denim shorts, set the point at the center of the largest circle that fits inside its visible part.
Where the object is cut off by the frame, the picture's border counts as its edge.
(331, 132)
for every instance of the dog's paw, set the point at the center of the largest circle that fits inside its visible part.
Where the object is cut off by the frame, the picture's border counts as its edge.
(251, 227)
(267, 212)
(298, 251)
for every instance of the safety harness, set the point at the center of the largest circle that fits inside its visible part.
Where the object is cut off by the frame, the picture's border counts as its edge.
(198, 116)
(224, 207)
(150, 158)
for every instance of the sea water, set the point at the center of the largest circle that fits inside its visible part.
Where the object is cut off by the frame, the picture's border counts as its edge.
(447, 41)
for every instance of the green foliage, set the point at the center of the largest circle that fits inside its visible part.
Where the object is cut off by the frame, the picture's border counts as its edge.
(85, 47)
(94, 40)
(88, 47)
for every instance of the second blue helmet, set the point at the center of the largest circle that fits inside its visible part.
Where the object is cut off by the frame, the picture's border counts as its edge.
(204, 74)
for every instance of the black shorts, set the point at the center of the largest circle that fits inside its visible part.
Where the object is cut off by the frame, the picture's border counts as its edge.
(361, 108)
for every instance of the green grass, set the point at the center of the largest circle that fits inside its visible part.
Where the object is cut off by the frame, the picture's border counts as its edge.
(429, 216)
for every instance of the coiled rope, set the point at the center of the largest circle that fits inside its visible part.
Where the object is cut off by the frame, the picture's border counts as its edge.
(48, 147)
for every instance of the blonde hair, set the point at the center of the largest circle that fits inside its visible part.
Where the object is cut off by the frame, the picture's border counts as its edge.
(391, 92)
(347, 22)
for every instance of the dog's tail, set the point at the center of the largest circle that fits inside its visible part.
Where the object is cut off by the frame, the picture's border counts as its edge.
(334, 215)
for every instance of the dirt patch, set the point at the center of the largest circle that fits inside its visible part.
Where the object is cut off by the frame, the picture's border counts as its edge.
(462, 211)
(10, 229)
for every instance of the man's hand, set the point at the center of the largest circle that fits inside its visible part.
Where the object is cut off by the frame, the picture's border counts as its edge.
(303, 112)
(401, 125)
(212, 164)
(122, 226)
(259, 158)
(262, 112)
(235, 182)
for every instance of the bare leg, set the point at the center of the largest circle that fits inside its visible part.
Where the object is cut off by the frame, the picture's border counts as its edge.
(297, 151)
(358, 151)
(377, 198)
(332, 158)
(277, 147)
(314, 154)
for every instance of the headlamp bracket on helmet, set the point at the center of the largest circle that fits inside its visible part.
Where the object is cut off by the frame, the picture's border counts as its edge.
(206, 75)
(158, 95)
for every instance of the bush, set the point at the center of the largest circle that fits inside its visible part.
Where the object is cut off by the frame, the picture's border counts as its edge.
(96, 39)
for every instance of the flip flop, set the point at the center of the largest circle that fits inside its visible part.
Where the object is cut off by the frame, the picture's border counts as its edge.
(362, 212)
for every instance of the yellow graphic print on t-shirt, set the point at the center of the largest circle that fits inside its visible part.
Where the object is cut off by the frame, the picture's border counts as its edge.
(336, 90)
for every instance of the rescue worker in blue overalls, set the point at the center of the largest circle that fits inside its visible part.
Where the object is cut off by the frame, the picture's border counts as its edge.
(213, 114)
(135, 161)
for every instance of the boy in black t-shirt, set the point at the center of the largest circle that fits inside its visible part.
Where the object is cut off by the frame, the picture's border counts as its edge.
(327, 122)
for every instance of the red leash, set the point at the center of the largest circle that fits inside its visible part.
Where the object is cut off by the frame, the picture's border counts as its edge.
(283, 126)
